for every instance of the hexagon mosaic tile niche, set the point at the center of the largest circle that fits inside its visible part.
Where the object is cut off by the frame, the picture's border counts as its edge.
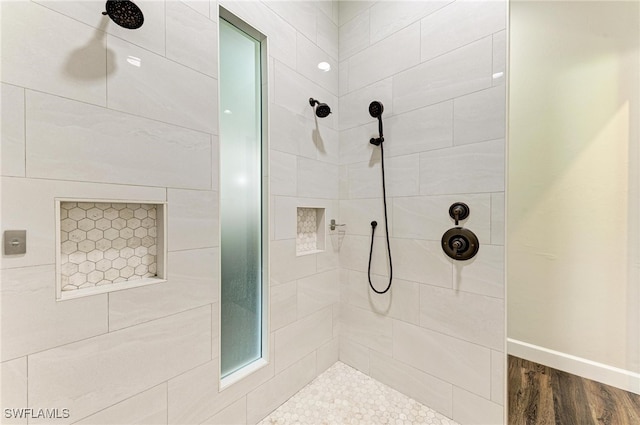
(106, 243)
(310, 230)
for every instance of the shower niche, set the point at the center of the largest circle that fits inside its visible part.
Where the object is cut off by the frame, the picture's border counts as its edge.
(107, 245)
(311, 229)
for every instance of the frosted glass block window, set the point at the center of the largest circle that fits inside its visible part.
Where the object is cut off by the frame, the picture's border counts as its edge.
(242, 211)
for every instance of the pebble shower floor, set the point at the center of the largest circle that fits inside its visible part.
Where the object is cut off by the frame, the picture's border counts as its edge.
(342, 395)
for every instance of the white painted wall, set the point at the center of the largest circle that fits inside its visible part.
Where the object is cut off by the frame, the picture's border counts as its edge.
(438, 68)
(573, 217)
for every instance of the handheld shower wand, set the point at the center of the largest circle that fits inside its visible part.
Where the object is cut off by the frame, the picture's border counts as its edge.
(375, 110)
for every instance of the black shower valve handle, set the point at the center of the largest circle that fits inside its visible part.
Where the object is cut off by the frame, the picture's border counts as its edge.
(459, 211)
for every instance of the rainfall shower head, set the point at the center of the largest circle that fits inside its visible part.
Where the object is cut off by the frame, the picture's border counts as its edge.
(322, 109)
(124, 13)
(376, 109)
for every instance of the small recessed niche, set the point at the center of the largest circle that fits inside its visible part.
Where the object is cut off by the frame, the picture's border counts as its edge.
(310, 236)
(106, 246)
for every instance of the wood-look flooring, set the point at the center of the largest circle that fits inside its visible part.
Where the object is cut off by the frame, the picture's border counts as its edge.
(540, 395)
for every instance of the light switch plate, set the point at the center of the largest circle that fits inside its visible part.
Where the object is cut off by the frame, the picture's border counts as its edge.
(15, 242)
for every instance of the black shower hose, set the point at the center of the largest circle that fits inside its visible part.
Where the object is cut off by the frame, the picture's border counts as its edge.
(386, 229)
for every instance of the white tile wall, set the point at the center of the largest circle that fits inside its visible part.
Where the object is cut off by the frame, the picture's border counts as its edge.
(425, 388)
(189, 101)
(192, 282)
(453, 74)
(150, 36)
(13, 388)
(13, 147)
(440, 329)
(147, 408)
(71, 140)
(128, 363)
(461, 363)
(26, 290)
(192, 39)
(191, 224)
(267, 397)
(298, 339)
(47, 51)
(365, 67)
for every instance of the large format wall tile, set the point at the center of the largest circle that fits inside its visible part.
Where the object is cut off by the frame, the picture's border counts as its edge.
(235, 413)
(47, 51)
(192, 39)
(317, 179)
(195, 396)
(460, 23)
(300, 14)
(498, 359)
(427, 217)
(192, 281)
(420, 130)
(354, 35)
(193, 219)
(130, 361)
(366, 328)
(387, 17)
(28, 290)
(39, 218)
(283, 174)
(480, 116)
(421, 261)
(292, 91)
(283, 307)
(146, 408)
(400, 50)
(497, 218)
(139, 85)
(267, 397)
(285, 265)
(483, 274)
(12, 126)
(454, 74)
(149, 36)
(354, 354)
(302, 337)
(354, 107)
(13, 388)
(479, 167)
(468, 407)
(74, 141)
(461, 363)
(471, 317)
(281, 34)
(327, 38)
(418, 385)
(317, 291)
(307, 59)
(402, 302)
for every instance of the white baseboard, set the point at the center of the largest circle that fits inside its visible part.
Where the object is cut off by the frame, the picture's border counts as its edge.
(616, 377)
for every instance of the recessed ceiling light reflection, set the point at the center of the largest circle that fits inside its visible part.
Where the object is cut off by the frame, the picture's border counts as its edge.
(134, 61)
(497, 75)
(227, 111)
(324, 66)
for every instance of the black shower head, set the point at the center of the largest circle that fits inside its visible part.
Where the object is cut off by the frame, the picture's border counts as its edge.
(376, 109)
(124, 13)
(322, 109)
